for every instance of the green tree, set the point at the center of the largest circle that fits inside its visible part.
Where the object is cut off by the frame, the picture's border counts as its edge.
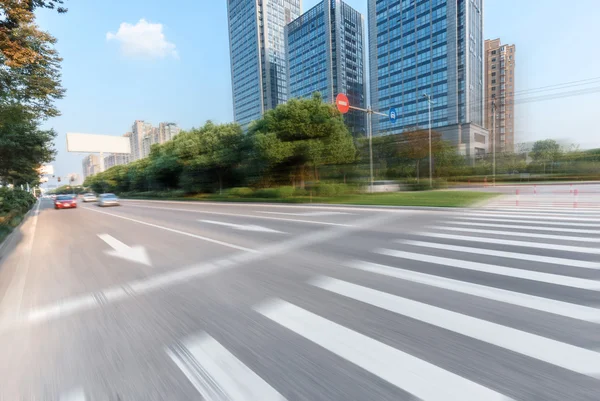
(415, 146)
(23, 146)
(210, 153)
(546, 152)
(299, 136)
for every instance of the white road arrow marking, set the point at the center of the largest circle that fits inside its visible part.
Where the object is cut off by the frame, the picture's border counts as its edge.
(243, 227)
(307, 214)
(136, 254)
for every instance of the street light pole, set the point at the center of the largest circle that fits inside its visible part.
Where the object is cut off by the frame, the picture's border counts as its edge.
(494, 143)
(430, 156)
(370, 127)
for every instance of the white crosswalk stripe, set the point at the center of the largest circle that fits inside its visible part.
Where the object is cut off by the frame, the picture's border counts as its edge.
(564, 355)
(526, 244)
(549, 278)
(518, 234)
(497, 294)
(528, 227)
(217, 374)
(504, 254)
(538, 223)
(533, 216)
(420, 378)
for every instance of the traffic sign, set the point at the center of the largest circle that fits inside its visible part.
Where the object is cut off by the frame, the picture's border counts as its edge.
(393, 115)
(342, 103)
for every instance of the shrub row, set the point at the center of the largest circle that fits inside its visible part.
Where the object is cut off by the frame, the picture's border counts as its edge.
(14, 203)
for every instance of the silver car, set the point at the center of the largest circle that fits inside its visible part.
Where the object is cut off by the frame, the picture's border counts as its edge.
(89, 197)
(108, 200)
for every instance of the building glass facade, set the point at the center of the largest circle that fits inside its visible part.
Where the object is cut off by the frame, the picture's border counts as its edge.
(432, 47)
(257, 51)
(326, 54)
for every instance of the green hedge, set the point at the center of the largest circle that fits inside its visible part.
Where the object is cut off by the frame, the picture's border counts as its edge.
(14, 203)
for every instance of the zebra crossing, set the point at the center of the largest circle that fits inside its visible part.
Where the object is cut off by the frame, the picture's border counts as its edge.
(500, 250)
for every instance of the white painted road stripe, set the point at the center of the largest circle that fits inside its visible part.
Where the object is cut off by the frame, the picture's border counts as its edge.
(214, 241)
(503, 254)
(517, 234)
(539, 245)
(521, 227)
(306, 214)
(565, 309)
(217, 374)
(560, 354)
(494, 269)
(565, 211)
(419, 378)
(76, 394)
(537, 223)
(250, 216)
(532, 216)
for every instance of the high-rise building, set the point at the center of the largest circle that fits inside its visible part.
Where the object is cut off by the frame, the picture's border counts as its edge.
(326, 53)
(90, 165)
(434, 48)
(257, 51)
(499, 94)
(139, 130)
(167, 131)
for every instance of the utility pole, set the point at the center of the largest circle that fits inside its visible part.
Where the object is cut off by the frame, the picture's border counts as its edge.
(494, 143)
(343, 106)
(430, 156)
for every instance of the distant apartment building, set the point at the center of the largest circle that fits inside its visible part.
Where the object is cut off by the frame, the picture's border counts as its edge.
(143, 135)
(499, 93)
(257, 54)
(167, 131)
(115, 159)
(420, 49)
(90, 165)
(325, 50)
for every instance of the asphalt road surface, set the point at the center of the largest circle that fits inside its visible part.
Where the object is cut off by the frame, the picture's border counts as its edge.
(248, 302)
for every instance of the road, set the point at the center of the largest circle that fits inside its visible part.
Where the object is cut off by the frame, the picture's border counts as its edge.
(249, 302)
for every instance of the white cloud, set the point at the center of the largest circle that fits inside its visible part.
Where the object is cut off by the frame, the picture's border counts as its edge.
(143, 40)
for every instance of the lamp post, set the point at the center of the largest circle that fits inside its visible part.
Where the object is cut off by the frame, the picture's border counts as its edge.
(430, 156)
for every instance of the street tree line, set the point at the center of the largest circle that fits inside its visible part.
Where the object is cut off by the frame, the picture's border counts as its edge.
(29, 86)
(305, 142)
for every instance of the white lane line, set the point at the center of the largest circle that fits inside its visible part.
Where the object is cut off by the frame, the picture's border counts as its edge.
(272, 206)
(555, 307)
(76, 394)
(539, 223)
(516, 234)
(549, 278)
(422, 379)
(503, 254)
(521, 227)
(573, 211)
(217, 374)
(247, 216)
(538, 245)
(243, 227)
(306, 214)
(531, 216)
(557, 353)
(214, 241)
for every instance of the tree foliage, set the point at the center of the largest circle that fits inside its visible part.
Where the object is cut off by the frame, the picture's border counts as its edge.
(300, 135)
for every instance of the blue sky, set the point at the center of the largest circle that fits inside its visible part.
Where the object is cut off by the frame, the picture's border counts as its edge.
(187, 79)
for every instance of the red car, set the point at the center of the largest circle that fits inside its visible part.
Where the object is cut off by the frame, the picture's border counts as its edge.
(65, 202)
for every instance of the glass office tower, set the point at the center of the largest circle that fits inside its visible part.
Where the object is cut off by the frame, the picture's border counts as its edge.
(326, 54)
(432, 47)
(257, 51)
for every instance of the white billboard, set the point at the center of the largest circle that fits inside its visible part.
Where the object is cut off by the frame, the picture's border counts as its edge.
(90, 143)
